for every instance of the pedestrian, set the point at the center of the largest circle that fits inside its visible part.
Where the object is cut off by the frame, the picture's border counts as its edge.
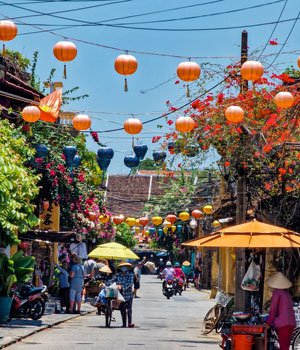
(124, 281)
(198, 274)
(76, 283)
(281, 316)
(90, 267)
(188, 272)
(137, 277)
(64, 286)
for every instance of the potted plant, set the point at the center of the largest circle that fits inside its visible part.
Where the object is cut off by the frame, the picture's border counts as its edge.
(15, 270)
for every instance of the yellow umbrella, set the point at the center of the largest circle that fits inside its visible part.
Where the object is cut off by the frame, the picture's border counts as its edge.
(253, 234)
(113, 251)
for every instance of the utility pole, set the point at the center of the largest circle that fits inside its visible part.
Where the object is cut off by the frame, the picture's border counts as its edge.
(240, 294)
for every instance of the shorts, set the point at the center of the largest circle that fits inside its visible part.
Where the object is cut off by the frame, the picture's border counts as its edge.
(75, 295)
(136, 285)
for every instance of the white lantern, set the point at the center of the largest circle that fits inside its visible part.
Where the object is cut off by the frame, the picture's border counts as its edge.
(193, 223)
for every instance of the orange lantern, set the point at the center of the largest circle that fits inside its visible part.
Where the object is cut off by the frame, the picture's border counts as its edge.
(197, 214)
(8, 31)
(157, 220)
(188, 71)
(298, 61)
(31, 114)
(184, 124)
(81, 122)
(130, 221)
(92, 216)
(65, 51)
(234, 114)
(171, 218)
(126, 65)
(143, 221)
(284, 99)
(184, 216)
(133, 126)
(118, 220)
(252, 70)
(104, 218)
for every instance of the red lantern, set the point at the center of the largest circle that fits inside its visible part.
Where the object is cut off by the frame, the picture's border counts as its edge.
(65, 51)
(31, 114)
(184, 124)
(133, 126)
(92, 216)
(197, 214)
(126, 65)
(81, 122)
(234, 114)
(143, 221)
(171, 218)
(188, 71)
(118, 219)
(284, 99)
(252, 70)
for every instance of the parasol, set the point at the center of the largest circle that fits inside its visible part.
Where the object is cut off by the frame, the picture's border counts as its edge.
(113, 251)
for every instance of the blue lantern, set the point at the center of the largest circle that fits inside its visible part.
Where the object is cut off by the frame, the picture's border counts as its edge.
(103, 163)
(179, 228)
(140, 151)
(160, 232)
(69, 153)
(152, 230)
(159, 157)
(76, 161)
(41, 151)
(105, 153)
(131, 161)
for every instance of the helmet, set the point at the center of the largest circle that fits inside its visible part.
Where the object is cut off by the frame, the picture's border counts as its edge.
(177, 264)
(161, 259)
(168, 263)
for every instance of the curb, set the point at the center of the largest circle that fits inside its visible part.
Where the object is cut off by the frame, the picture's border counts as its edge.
(42, 328)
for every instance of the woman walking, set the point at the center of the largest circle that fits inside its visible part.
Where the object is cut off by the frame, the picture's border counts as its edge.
(76, 283)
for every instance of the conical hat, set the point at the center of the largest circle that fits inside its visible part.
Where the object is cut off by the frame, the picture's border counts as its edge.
(279, 281)
(186, 263)
(105, 269)
(124, 263)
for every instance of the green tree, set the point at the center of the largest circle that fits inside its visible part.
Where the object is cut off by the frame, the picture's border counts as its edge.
(124, 236)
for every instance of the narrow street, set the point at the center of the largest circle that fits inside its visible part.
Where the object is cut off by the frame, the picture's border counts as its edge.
(160, 324)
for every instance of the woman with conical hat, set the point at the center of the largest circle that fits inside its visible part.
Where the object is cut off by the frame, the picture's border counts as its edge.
(281, 316)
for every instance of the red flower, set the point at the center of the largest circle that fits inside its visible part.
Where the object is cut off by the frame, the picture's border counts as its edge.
(25, 128)
(282, 171)
(52, 172)
(173, 109)
(70, 180)
(170, 122)
(220, 97)
(273, 42)
(156, 139)
(268, 186)
(177, 82)
(95, 136)
(226, 164)
(61, 168)
(39, 160)
(195, 104)
(267, 148)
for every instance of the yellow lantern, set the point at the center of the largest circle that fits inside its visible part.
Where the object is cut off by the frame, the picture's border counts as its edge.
(104, 218)
(252, 70)
(165, 229)
(216, 224)
(208, 209)
(130, 221)
(284, 99)
(157, 220)
(184, 216)
(137, 230)
(147, 233)
(173, 228)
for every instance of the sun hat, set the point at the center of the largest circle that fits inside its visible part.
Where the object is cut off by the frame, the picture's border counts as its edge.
(105, 269)
(186, 263)
(124, 263)
(279, 281)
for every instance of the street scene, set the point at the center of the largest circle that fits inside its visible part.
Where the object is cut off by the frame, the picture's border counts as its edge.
(150, 174)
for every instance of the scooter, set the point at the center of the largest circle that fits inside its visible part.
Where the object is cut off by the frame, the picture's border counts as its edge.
(28, 301)
(178, 286)
(168, 288)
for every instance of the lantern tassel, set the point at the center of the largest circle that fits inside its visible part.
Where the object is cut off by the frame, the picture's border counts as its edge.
(65, 71)
(30, 130)
(188, 94)
(3, 50)
(125, 85)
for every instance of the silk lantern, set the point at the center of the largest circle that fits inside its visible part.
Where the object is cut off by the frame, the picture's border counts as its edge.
(184, 124)
(252, 70)
(140, 151)
(143, 221)
(133, 126)
(65, 51)
(118, 220)
(284, 99)
(81, 122)
(131, 161)
(167, 224)
(8, 31)
(69, 153)
(188, 71)
(216, 224)
(130, 222)
(157, 220)
(298, 61)
(197, 214)
(31, 114)
(104, 218)
(41, 151)
(208, 209)
(171, 218)
(184, 216)
(234, 114)
(126, 65)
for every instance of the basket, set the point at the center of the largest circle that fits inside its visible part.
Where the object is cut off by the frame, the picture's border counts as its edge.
(247, 329)
(222, 299)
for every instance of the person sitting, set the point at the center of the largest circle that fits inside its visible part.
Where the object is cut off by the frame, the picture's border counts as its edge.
(168, 273)
(179, 274)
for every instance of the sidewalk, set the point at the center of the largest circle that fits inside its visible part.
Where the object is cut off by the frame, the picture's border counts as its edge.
(19, 329)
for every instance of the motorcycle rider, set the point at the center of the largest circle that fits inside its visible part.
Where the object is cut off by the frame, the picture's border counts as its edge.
(168, 273)
(179, 274)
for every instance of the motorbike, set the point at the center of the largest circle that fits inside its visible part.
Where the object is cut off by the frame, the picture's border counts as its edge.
(168, 288)
(178, 286)
(28, 301)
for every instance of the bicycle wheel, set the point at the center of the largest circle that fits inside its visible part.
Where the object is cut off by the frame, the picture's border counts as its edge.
(211, 319)
(222, 318)
(296, 339)
(108, 313)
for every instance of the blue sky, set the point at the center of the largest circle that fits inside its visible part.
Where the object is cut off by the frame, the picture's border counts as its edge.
(93, 69)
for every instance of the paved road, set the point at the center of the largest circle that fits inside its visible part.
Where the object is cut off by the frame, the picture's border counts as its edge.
(161, 324)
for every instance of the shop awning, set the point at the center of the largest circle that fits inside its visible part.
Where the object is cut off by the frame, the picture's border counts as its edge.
(50, 236)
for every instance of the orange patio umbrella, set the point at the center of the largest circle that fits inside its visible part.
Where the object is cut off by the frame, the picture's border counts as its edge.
(253, 234)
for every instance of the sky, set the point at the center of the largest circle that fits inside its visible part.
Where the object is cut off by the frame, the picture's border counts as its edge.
(154, 82)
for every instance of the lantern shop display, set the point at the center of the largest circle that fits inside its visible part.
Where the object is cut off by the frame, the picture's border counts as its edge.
(126, 65)
(31, 114)
(197, 214)
(65, 51)
(133, 126)
(188, 71)
(252, 70)
(184, 216)
(284, 99)
(130, 222)
(81, 122)
(184, 124)
(157, 220)
(8, 31)
(234, 114)
(208, 209)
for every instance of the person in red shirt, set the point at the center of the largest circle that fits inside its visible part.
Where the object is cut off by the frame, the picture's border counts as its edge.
(179, 274)
(281, 316)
